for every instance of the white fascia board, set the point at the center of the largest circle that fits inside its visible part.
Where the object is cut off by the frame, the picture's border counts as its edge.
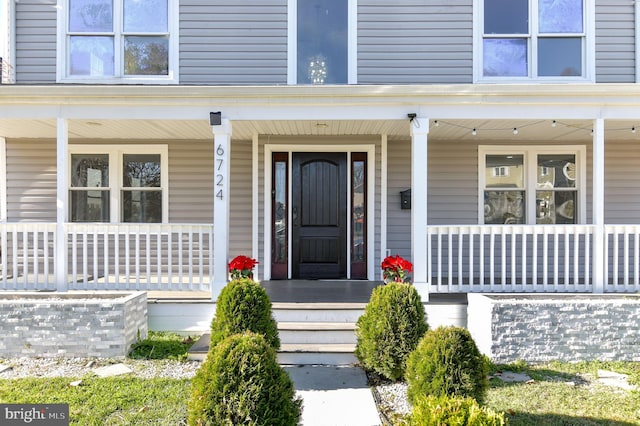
(335, 112)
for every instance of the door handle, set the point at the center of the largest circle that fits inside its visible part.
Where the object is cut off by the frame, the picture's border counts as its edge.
(294, 215)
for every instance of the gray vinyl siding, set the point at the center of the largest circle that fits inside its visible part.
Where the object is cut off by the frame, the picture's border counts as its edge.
(240, 206)
(35, 41)
(452, 197)
(398, 179)
(226, 42)
(31, 180)
(615, 41)
(415, 42)
(622, 182)
(190, 181)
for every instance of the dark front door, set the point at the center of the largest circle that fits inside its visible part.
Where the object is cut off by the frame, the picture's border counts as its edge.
(319, 214)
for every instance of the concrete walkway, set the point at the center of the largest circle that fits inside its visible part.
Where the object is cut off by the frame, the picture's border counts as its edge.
(334, 396)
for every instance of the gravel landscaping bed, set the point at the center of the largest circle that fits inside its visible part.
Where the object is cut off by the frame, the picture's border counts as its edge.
(21, 367)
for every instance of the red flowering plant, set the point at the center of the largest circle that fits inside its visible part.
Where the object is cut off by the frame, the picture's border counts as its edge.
(395, 269)
(242, 267)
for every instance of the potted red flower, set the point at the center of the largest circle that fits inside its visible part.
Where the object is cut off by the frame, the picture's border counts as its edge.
(395, 269)
(242, 267)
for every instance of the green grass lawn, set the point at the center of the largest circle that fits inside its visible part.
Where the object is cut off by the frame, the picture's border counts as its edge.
(106, 401)
(567, 394)
(561, 394)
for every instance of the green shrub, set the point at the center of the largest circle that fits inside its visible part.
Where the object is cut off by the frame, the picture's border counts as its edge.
(390, 329)
(241, 383)
(448, 410)
(244, 306)
(447, 362)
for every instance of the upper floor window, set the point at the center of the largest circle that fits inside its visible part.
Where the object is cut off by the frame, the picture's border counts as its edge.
(129, 40)
(322, 41)
(533, 39)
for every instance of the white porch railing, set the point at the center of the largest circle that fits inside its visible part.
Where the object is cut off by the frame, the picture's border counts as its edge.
(622, 250)
(27, 256)
(527, 258)
(108, 256)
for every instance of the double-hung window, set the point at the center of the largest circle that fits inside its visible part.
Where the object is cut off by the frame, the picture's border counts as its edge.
(532, 39)
(118, 184)
(124, 40)
(531, 185)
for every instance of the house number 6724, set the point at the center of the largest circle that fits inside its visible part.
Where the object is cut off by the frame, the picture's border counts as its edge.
(219, 176)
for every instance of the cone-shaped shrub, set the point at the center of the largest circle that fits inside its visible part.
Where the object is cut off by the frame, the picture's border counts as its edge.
(450, 410)
(447, 362)
(244, 306)
(390, 329)
(241, 383)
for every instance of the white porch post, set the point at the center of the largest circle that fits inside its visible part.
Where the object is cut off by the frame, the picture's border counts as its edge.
(62, 169)
(419, 154)
(598, 206)
(221, 151)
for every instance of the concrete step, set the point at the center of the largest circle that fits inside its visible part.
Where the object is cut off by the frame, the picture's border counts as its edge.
(317, 312)
(317, 332)
(294, 353)
(317, 354)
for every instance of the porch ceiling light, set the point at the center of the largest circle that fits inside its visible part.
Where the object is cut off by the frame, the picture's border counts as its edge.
(93, 123)
(322, 125)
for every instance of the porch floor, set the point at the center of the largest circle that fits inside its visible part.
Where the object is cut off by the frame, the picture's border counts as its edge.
(310, 291)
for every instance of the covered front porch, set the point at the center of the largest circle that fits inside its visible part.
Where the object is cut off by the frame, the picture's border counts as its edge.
(219, 149)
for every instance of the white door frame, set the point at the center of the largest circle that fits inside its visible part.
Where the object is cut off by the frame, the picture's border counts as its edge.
(269, 149)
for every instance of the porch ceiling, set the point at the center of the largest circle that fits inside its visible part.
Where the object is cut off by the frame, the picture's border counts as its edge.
(458, 130)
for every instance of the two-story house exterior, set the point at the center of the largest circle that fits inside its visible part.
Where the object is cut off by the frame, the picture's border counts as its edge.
(143, 144)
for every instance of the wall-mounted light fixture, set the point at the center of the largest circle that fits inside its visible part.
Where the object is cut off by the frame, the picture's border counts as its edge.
(215, 118)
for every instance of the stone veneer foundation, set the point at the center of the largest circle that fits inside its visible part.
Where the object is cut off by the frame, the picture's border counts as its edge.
(564, 327)
(74, 324)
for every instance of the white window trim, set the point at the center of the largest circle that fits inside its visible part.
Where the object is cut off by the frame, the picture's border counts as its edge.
(588, 54)
(352, 42)
(530, 153)
(116, 153)
(62, 60)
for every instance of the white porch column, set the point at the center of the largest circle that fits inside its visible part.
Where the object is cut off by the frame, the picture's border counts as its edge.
(419, 154)
(221, 151)
(599, 258)
(62, 204)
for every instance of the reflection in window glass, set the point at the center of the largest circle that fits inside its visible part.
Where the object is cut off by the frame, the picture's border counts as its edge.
(506, 17)
(322, 41)
(141, 170)
(556, 171)
(146, 55)
(280, 213)
(89, 170)
(90, 15)
(89, 206)
(504, 171)
(505, 58)
(504, 207)
(142, 206)
(91, 55)
(559, 57)
(560, 16)
(146, 16)
(556, 207)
